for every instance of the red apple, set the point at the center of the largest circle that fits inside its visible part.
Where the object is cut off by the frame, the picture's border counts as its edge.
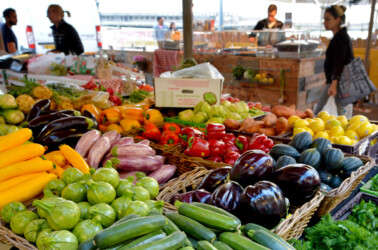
(258, 105)
(230, 99)
(236, 100)
(266, 109)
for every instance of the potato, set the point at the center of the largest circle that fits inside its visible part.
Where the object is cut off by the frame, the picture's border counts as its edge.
(231, 123)
(254, 128)
(270, 120)
(282, 126)
(300, 113)
(283, 111)
(247, 122)
(267, 131)
(309, 113)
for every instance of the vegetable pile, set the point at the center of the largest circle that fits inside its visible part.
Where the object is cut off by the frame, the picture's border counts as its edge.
(10, 113)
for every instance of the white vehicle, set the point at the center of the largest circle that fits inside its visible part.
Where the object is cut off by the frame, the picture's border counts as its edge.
(33, 27)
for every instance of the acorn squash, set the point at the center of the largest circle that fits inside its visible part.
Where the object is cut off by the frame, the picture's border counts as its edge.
(310, 157)
(284, 161)
(301, 141)
(349, 165)
(333, 159)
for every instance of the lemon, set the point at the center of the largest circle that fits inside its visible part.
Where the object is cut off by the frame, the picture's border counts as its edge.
(332, 123)
(375, 127)
(323, 114)
(309, 120)
(270, 80)
(352, 135)
(364, 129)
(336, 131)
(343, 120)
(331, 117)
(353, 127)
(344, 140)
(353, 142)
(358, 119)
(298, 130)
(263, 75)
(321, 134)
(309, 130)
(292, 119)
(317, 126)
(332, 139)
(300, 123)
(258, 76)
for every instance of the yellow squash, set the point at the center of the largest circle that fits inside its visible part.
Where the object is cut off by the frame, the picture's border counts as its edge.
(56, 157)
(25, 190)
(73, 157)
(14, 139)
(17, 180)
(20, 153)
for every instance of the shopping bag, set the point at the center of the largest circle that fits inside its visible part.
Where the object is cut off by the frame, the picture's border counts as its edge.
(330, 106)
(354, 83)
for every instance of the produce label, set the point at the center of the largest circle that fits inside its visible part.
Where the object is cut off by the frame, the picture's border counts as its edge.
(185, 93)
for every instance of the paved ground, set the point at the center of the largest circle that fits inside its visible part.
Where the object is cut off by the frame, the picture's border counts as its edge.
(373, 115)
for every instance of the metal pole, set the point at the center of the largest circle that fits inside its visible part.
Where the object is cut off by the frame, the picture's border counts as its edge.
(368, 46)
(187, 18)
(220, 14)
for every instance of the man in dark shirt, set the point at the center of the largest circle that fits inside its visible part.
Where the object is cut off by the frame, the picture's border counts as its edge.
(268, 23)
(66, 38)
(9, 38)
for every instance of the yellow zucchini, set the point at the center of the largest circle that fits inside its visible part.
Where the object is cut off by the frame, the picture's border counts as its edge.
(73, 157)
(19, 179)
(21, 153)
(14, 139)
(58, 171)
(26, 190)
(25, 167)
(56, 157)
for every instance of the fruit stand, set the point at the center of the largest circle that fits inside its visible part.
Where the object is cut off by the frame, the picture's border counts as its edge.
(85, 168)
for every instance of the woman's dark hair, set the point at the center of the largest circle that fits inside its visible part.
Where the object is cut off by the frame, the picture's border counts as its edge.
(171, 26)
(337, 11)
(7, 12)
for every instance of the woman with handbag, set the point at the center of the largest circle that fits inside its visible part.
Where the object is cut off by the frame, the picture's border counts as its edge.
(338, 54)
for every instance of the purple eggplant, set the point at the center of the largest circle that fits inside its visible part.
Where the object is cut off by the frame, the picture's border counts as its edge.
(164, 173)
(137, 163)
(263, 204)
(86, 142)
(97, 152)
(91, 116)
(299, 182)
(55, 139)
(201, 195)
(123, 141)
(214, 179)
(145, 142)
(40, 121)
(112, 135)
(252, 166)
(38, 108)
(133, 150)
(227, 196)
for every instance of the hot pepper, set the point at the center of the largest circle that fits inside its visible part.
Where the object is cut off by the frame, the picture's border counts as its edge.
(188, 132)
(151, 132)
(116, 100)
(231, 157)
(89, 85)
(172, 127)
(93, 109)
(129, 124)
(242, 143)
(109, 116)
(229, 137)
(260, 141)
(133, 114)
(217, 148)
(197, 147)
(169, 138)
(215, 131)
(153, 116)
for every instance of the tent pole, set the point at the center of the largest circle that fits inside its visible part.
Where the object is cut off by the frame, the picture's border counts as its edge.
(187, 25)
(368, 46)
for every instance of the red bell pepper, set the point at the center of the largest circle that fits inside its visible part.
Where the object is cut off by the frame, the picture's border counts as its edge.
(217, 148)
(188, 132)
(89, 85)
(197, 147)
(110, 90)
(151, 132)
(115, 99)
(242, 143)
(173, 127)
(215, 127)
(218, 135)
(229, 137)
(231, 147)
(169, 138)
(215, 159)
(260, 141)
(231, 157)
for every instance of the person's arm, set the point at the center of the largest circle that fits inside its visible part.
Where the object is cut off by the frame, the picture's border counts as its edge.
(339, 54)
(76, 45)
(11, 47)
(259, 26)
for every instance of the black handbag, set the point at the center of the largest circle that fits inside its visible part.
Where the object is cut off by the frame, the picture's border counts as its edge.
(354, 83)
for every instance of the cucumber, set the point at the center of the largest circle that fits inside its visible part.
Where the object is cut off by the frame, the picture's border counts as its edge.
(154, 236)
(264, 238)
(208, 218)
(173, 241)
(128, 230)
(205, 245)
(87, 245)
(238, 242)
(221, 246)
(126, 218)
(215, 209)
(192, 227)
(252, 226)
(171, 228)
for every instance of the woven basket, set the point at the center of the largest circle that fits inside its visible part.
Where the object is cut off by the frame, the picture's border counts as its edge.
(337, 195)
(289, 228)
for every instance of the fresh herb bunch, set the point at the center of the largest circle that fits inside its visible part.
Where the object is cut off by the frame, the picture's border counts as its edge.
(22, 90)
(374, 183)
(366, 214)
(238, 71)
(72, 93)
(139, 95)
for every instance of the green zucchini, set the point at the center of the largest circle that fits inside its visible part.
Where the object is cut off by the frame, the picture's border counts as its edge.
(239, 242)
(187, 248)
(252, 226)
(205, 245)
(128, 230)
(215, 209)
(264, 238)
(126, 218)
(87, 245)
(151, 237)
(221, 246)
(173, 241)
(192, 227)
(171, 228)
(118, 246)
(192, 240)
(208, 218)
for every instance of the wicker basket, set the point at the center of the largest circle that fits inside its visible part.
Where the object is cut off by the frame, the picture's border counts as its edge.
(291, 227)
(337, 195)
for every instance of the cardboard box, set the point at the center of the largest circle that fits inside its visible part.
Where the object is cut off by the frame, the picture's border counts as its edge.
(183, 92)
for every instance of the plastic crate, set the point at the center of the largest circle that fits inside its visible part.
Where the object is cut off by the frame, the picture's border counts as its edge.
(366, 188)
(346, 210)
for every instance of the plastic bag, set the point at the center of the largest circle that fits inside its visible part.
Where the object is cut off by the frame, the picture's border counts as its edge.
(42, 65)
(203, 70)
(331, 108)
